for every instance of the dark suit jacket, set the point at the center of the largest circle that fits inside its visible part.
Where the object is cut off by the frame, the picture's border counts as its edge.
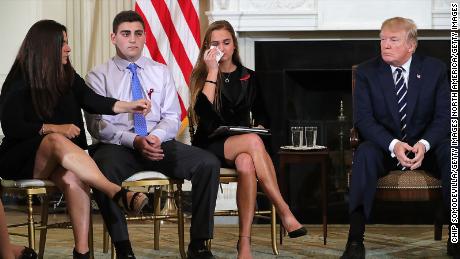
(375, 106)
(230, 113)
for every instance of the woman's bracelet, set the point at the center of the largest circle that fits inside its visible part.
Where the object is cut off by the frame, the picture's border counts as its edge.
(42, 130)
(212, 82)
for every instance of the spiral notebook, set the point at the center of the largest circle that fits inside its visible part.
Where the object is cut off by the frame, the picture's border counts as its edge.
(236, 130)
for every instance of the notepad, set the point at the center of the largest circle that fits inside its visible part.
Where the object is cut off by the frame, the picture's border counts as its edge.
(236, 130)
(303, 148)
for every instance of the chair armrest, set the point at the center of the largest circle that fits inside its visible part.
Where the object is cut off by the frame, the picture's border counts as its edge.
(354, 138)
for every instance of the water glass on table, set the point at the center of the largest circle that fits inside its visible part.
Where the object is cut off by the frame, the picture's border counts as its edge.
(310, 136)
(297, 136)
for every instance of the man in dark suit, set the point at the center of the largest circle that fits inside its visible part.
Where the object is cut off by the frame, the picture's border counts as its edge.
(401, 111)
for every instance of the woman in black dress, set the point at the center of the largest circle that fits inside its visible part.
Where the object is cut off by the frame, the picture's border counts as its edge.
(224, 92)
(40, 109)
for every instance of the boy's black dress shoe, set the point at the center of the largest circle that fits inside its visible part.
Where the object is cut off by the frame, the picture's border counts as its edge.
(199, 254)
(354, 250)
(128, 255)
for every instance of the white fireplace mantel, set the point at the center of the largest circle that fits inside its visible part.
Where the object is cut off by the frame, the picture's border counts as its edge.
(306, 15)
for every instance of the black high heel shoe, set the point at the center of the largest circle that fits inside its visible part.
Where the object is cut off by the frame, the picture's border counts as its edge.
(136, 203)
(77, 255)
(302, 231)
(28, 253)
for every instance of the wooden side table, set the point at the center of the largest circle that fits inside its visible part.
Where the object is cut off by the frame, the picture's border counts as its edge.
(304, 157)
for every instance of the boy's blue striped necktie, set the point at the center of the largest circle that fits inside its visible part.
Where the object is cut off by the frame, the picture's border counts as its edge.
(140, 126)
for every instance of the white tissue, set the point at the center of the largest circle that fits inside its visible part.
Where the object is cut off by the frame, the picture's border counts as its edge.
(219, 53)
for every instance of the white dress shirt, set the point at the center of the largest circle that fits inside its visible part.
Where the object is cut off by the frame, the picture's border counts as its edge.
(405, 73)
(113, 79)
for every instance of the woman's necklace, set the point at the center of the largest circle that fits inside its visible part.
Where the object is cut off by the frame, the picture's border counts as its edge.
(227, 78)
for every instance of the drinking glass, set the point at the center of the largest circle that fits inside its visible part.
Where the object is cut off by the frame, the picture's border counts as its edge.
(310, 136)
(297, 136)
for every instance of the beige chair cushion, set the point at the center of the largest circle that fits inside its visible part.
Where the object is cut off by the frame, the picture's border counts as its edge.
(146, 175)
(26, 183)
(415, 179)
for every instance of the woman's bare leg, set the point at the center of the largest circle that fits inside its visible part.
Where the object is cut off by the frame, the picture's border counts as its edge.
(246, 201)
(252, 144)
(78, 204)
(56, 151)
(6, 249)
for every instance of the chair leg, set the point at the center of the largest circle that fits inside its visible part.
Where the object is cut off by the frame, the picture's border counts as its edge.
(112, 250)
(156, 222)
(44, 225)
(437, 231)
(169, 207)
(438, 221)
(209, 244)
(180, 220)
(105, 239)
(30, 222)
(273, 230)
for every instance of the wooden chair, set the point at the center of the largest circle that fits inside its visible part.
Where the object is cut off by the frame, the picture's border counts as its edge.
(42, 189)
(145, 182)
(408, 185)
(230, 175)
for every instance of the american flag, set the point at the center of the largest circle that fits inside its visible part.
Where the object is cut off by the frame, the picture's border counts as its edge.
(172, 30)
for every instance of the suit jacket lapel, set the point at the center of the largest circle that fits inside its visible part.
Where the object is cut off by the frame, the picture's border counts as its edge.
(414, 85)
(388, 88)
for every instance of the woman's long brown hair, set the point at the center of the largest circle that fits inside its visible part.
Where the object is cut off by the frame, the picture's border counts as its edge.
(39, 62)
(200, 71)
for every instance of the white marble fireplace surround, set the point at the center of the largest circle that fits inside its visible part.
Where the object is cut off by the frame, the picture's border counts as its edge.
(285, 20)
(319, 20)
